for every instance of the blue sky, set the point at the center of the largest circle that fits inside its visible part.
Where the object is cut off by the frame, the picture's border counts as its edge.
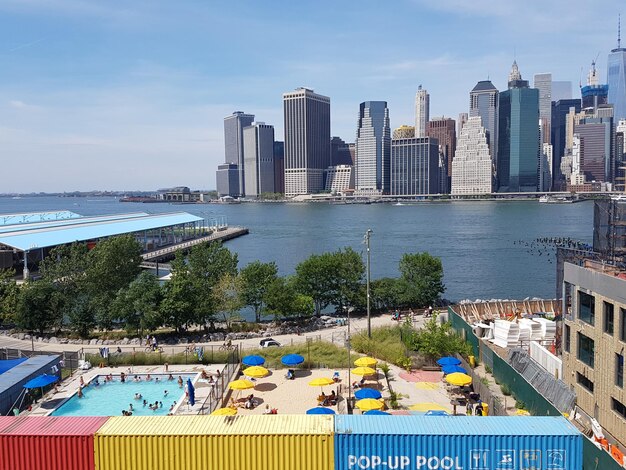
(118, 94)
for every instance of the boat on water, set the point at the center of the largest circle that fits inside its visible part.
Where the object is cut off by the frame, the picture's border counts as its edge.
(144, 199)
(547, 199)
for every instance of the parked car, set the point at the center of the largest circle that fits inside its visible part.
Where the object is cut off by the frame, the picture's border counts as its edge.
(269, 342)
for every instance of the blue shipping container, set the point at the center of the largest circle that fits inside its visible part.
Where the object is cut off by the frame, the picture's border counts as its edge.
(456, 443)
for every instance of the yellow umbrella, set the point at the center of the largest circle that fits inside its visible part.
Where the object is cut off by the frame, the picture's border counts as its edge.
(225, 412)
(256, 372)
(363, 371)
(241, 384)
(427, 407)
(368, 404)
(366, 362)
(459, 379)
(320, 382)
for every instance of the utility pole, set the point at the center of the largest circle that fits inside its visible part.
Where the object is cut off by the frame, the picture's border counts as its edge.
(349, 365)
(369, 322)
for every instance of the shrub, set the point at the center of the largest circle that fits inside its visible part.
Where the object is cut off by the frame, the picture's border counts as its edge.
(484, 381)
(506, 390)
(488, 369)
(520, 405)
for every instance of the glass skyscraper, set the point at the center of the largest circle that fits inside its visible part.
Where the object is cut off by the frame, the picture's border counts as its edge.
(484, 103)
(373, 148)
(233, 143)
(616, 78)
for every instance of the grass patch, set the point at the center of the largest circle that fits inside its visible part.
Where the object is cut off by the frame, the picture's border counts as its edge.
(155, 359)
(316, 354)
(385, 343)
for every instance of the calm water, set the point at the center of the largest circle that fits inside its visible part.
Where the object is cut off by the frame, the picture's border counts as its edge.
(110, 398)
(475, 240)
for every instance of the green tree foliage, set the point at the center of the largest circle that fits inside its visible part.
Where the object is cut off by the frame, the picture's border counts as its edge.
(177, 306)
(228, 297)
(434, 340)
(385, 293)
(257, 278)
(9, 295)
(421, 279)
(331, 278)
(283, 300)
(138, 304)
(38, 306)
(81, 315)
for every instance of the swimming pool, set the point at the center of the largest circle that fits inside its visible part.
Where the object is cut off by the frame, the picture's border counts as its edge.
(110, 398)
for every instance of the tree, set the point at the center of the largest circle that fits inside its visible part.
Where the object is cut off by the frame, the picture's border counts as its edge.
(385, 293)
(177, 306)
(37, 307)
(257, 278)
(81, 315)
(9, 296)
(283, 300)
(421, 279)
(138, 304)
(228, 297)
(347, 276)
(434, 340)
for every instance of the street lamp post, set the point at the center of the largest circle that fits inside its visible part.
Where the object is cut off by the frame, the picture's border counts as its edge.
(369, 323)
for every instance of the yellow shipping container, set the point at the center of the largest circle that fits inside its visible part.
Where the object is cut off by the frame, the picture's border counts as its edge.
(266, 442)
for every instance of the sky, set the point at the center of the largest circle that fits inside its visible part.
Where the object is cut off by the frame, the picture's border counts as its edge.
(123, 95)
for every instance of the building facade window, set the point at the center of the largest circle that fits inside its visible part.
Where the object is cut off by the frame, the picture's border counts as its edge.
(622, 324)
(608, 318)
(567, 338)
(586, 307)
(584, 381)
(618, 407)
(619, 370)
(586, 349)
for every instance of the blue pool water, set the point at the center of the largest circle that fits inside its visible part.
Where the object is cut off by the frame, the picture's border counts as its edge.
(110, 398)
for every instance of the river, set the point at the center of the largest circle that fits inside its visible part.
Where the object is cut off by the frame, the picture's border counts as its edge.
(482, 244)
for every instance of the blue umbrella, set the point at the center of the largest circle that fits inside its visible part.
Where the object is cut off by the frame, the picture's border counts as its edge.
(452, 369)
(436, 413)
(320, 410)
(368, 393)
(253, 360)
(292, 359)
(448, 361)
(192, 392)
(377, 412)
(41, 381)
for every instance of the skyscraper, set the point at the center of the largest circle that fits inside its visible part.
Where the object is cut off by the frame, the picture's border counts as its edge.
(518, 135)
(596, 134)
(373, 149)
(444, 130)
(594, 94)
(279, 167)
(463, 117)
(484, 103)
(233, 143)
(227, 180)
(560, 110)
(414, 167)
(616, 78)
(339, 152)
(307, 141)
(403, 132)
(543, 83)
(422, 111)
(472, 167)
(258, 156)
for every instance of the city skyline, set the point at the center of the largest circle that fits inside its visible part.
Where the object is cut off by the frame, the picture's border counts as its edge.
(95, 96)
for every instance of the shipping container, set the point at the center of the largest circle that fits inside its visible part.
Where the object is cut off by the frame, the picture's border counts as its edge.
(456, 443)
(47, 443)
(265, 442)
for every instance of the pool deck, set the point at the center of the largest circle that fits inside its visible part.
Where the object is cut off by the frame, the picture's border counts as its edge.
(56, 397)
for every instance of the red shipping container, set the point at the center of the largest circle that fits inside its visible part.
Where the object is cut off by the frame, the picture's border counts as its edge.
(48, 442)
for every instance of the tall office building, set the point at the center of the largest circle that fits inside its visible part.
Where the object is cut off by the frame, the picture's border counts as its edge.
(339, 152)
(307, 141)
(444, 130)
(616, 78)
(463, 117)
(233, 143)
(518, 135)
(403, 132)
(414, 167)
(484, 103)
(258, 157)
(596, 134)
(339, 179)
(373, 149)
(593, 94)
(543, 83)
(279, 167)
(422, 111)
(472, 167)
(227, 180)
(620, 156)
(558, 133)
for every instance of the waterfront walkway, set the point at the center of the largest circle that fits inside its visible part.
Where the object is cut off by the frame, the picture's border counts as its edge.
(219, 235)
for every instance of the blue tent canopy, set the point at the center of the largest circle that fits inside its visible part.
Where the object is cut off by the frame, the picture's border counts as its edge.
(453, 369)
(192, 392)
(367, 393)
(41, 381)
(448, 361)
(292, 359)
(253, 360)
(10, 364)
(320, 410)
(377, 412)
(436, 413)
